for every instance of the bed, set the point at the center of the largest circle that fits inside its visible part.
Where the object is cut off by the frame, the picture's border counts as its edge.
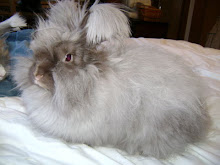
(19, 144)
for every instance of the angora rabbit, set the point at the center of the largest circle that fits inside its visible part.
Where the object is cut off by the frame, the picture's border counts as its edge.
(137, 98)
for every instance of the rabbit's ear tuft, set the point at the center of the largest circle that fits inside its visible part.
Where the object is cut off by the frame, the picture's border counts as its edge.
(106, 22)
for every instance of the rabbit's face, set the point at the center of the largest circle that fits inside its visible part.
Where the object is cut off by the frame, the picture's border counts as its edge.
(65, 58)
(41, 74)
(62, 57)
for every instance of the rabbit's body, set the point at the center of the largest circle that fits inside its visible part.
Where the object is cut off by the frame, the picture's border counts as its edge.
(139, 99)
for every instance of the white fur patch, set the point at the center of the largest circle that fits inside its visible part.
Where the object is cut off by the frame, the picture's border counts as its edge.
(13, 23)
(17, 21)
(106, 22)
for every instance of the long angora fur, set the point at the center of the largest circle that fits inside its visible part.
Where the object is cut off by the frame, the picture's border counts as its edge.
(141, 99)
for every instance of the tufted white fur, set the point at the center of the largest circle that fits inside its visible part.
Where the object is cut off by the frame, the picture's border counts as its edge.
(62, 25)
(105, 23)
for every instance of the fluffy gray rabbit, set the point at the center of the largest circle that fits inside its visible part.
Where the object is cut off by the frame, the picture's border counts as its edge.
(140, 99)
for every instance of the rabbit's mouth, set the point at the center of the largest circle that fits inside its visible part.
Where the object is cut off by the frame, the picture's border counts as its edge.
(44, 81)
(38, 81)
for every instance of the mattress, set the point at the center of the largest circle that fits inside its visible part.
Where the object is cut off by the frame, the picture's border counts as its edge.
(20, 144)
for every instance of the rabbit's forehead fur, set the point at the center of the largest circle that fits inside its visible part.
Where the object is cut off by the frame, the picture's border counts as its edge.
(59, 27)
(55, 52)
(68, 20)
(63, 48)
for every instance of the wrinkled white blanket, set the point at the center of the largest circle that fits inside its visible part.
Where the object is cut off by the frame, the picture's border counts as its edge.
(19, 144)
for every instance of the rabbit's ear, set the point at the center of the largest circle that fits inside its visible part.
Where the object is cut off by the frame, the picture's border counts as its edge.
(105, 22)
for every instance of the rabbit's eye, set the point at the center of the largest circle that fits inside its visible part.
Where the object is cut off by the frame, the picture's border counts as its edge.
(69, 58)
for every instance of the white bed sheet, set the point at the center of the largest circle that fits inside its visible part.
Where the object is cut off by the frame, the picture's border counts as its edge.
(19, 144)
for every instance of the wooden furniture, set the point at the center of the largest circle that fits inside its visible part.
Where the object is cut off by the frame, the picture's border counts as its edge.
(45, 4)
(149, 29)
(204, 17)
(7, 7)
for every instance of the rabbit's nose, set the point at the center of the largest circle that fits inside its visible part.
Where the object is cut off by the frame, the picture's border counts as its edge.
(38, 77)
(38, 73)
